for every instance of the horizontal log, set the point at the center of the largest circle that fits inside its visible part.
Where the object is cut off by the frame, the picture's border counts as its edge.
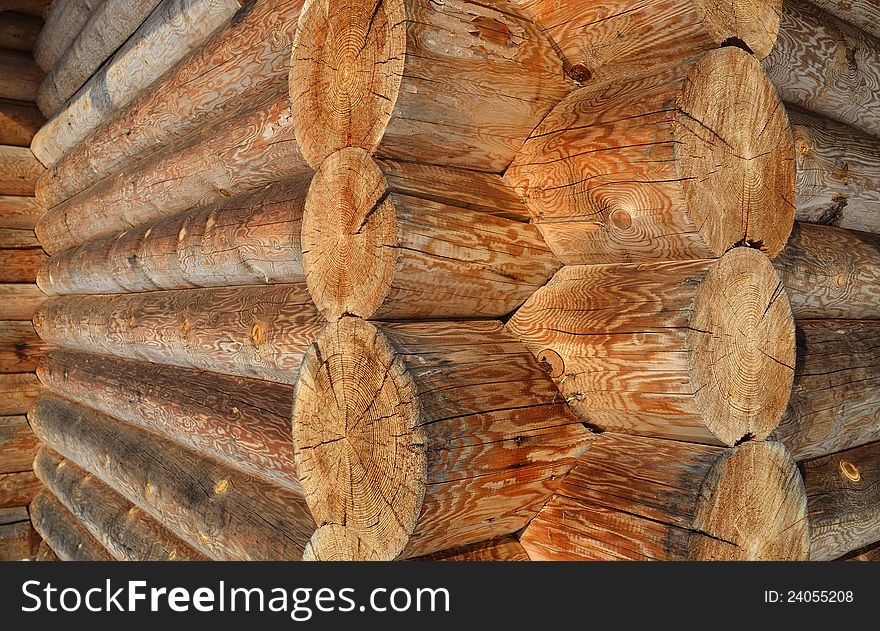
(63, 532)
(504, 549)
(17, 239)
(835, 400)
(18, 541)
(17, 393)
(868, 553)
(19, 170)
(827, 66)
(831, 273)
(862, 13)
(18, 123)
(242, 422)
(460, 83)
(843, 501)
(21, 266)
(671, 166)
(19, 301)
(372, 251)
(63, 23)
(20, 77)
(700, 351)
(18, 489)
(18, 444)
(174, 29)
(602, 39)
(251, 239)
(643, 499)
(209, 505)
(20, 348)
(110, 24)
(19, 212)
(18, 31)
(124, 530)
(242, 154)
(259, 332)
(46, 553)
(246, 58)
(837, 168)
(413, 438)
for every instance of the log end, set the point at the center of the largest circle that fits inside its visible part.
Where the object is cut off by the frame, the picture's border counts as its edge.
(338, 543)
(345, 74)
(358, 449)
(750, 23)
(753, 506)
(349, 236)
(741, 341)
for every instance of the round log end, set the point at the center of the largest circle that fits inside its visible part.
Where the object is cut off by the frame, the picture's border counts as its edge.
(751, 23)
(338, 543)
(359, 449)
(753, 507)
(742, 347)
(349, 234)
(345, 74)
(736, 154)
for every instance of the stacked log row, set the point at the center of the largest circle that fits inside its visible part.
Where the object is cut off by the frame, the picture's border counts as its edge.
(63, 532)
(18, 540)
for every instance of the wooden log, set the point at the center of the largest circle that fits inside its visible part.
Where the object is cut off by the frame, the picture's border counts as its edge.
(371, 251)
(64, 22)
(702, 351)
(250, 239)
(20, 348)
(19, 212)
(173, 30)
(241, 422)
(636, 498)
(681, 164)
(37, 8)
(209, 505)
(19, 170)
(46, 553)
(831, 273)
(504, 549)
(19, 301)
(843, 501)
(835, 400)
(18, 31)
(124, 530)
(17, 239)
(110, 24)
(17, 393)
(21, 266)
(239, 155)
(18, 541)
(460, 83)
(862, 13)
(64, 533)
(827, 66)
(20, 77)
(18, 489)
(603, 39)
(837, 168)
(259, 332)
(417, 437)
(18, 123)
(868, 553)
(18, 445)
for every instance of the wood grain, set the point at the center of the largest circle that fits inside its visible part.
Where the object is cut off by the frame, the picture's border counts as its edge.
(843, 500)
(17, 489)
(835, 400)
(63, 23)
(210, 506)
(18, 31)
(18, 445)
(18, 541)
(21, 266)
(862, 13)
(19, 170)
(242, 422)
(17, 393)
(417, 437)
(46, 553)
(19, 301)
(18, 123)
(20, 348)
(259, 332)
(20, 77)
(63, 532)
(504, 549)
(17, 239)
(19, 212)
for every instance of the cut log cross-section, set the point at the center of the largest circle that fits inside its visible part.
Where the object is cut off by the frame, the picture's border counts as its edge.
(374, 252)
(65, 534)
(682, 164)
(835, 400)
(700, 351)
(411, 438)
(209, 505)
(639, 498)
(461, 82)
(603, 39)
(122, 528)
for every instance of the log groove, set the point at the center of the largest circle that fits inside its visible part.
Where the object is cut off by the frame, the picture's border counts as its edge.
(63, 532)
